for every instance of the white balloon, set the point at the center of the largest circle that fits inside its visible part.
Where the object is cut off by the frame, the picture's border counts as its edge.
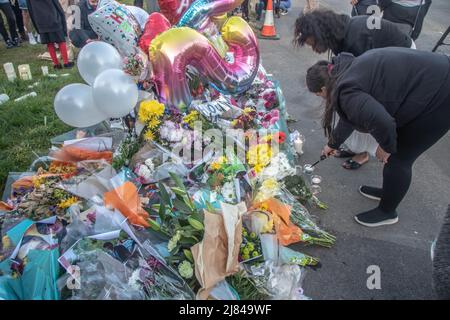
(75, 106)
(115, 93)
(97, 57)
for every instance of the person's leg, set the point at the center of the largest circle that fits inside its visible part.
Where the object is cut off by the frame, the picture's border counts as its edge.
(19, 18)
(244, 7)
(28, 26)
(9, 14)
(419, 19)
(3, 31)
(413, 140)
(52, 52)
(63, 50)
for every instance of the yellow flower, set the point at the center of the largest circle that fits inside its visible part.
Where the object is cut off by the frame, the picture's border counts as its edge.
(258, 168)
(149, 135)
(270, 184)
(150, 109)
(191, 117)
(267, 138)
(215, 166)
(38, 181)
(264, 207)
(248, 110)
(67, 203)
(259, 154)
(153, 123)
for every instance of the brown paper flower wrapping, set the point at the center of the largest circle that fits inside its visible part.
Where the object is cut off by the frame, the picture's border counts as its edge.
(216, 256)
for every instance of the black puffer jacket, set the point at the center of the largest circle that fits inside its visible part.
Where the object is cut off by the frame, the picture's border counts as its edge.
(385, 89)
(359, 38)
(47, 16)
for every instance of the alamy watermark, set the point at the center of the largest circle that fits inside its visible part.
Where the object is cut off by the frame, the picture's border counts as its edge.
(374, 280)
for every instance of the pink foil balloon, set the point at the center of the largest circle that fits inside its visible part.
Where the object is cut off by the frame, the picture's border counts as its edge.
(172, 51)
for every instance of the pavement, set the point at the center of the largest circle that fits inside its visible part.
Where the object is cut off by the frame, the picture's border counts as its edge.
(401, 251)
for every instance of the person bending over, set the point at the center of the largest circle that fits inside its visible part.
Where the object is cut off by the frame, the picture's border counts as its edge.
(326, 30)
(401, 98)
(84, 35)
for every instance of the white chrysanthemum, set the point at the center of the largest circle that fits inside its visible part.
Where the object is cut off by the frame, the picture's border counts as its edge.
(134, 281)
(185, 269)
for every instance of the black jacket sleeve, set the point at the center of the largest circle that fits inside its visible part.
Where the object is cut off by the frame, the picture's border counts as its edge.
(364, 112)
(340, 133)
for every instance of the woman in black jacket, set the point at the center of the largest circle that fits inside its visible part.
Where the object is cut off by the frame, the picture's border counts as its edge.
(325, 30)
(401, 97)
(50, 22)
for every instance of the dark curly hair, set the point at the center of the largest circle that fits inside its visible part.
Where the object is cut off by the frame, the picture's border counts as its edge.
(325, 27)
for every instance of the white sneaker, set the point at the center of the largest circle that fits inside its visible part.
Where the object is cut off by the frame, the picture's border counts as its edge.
(31, 38)
(38, 38)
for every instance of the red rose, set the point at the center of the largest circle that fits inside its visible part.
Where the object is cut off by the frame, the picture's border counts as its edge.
(279, 137)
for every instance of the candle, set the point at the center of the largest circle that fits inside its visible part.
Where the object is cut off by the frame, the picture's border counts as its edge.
(44, 70)
(31, 94)
(10, 72)
(308, 169)
(298, 145)
(316, 179)
(315, 189)
(25, 72)
(3, 98)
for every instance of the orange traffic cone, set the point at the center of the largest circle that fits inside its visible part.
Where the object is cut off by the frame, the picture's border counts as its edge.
(268, 30)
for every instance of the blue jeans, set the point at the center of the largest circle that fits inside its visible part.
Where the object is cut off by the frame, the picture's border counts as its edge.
(285, 5)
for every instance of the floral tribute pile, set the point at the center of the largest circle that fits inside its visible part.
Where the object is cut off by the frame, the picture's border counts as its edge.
(127, 212)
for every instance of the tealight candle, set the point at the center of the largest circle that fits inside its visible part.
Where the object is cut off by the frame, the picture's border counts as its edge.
(315, 189)
(25, 72)
(10, 72)
(298, 145)
(44, 70)
(308, 169)
(316, 179)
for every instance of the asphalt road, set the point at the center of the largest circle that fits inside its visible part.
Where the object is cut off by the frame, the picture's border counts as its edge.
(401, 251)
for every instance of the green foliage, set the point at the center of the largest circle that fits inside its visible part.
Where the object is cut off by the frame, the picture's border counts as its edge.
(24, 132)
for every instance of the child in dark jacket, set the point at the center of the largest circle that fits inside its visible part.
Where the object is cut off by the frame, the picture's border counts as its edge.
(50, 22)
(81, 37)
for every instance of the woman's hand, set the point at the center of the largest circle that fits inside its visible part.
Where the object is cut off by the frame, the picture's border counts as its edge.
(354, 2)
(327, 151)
(382, 155)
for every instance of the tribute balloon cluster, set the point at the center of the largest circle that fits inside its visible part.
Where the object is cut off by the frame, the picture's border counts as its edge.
(199, 38)
(110, 93)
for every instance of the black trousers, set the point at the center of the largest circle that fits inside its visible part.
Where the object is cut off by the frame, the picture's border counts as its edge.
(11, 19)
(19, 17)
(244, 8)
(79, 37)
(412, 140)
(413, 16)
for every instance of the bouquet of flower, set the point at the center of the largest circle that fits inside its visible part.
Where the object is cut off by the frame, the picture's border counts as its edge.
(150, 114)
(47, 199)
(250, 250)
(134, 64)
(179, 221)
(246, 120)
